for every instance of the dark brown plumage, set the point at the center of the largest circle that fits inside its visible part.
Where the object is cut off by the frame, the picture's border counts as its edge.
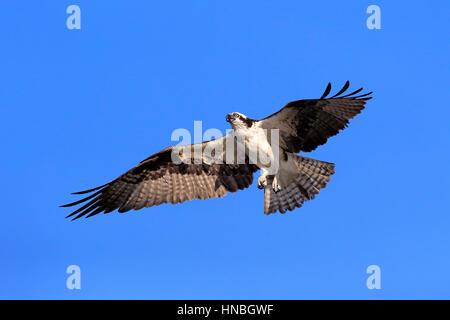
(306, 124)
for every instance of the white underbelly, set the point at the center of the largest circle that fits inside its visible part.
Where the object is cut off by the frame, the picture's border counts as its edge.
(260, 152)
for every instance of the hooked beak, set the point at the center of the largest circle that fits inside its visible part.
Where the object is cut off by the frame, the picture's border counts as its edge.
(228, 118)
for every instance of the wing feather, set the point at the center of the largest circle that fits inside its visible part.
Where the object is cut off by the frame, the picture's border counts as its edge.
(306, 124)
(158, 180)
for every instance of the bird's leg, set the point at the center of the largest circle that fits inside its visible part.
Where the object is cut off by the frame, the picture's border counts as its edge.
(268, 179)
(275, 183)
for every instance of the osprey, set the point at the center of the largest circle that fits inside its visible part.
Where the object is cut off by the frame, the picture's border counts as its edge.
(214, 168)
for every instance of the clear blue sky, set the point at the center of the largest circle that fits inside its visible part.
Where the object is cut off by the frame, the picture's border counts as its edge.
(79, 107)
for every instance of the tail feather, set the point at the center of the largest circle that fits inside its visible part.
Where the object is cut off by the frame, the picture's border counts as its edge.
(311, 176)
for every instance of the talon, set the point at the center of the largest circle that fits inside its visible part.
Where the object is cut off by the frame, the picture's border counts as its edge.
(262, 182)
(275, 186)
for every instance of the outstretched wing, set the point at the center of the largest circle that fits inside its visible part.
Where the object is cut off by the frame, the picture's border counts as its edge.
(306, 124)
(159, 179)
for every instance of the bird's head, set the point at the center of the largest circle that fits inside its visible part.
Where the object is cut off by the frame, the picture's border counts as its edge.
(238, 120)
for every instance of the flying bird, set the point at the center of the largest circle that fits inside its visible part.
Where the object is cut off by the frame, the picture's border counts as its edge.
(214, 168)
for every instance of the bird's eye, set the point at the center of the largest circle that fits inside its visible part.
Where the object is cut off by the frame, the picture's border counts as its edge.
(236, 115)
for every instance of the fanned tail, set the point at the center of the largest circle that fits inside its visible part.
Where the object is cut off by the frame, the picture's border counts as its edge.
(311, 176)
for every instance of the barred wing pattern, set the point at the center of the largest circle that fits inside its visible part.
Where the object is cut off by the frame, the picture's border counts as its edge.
(158, 180)
(306, 124)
